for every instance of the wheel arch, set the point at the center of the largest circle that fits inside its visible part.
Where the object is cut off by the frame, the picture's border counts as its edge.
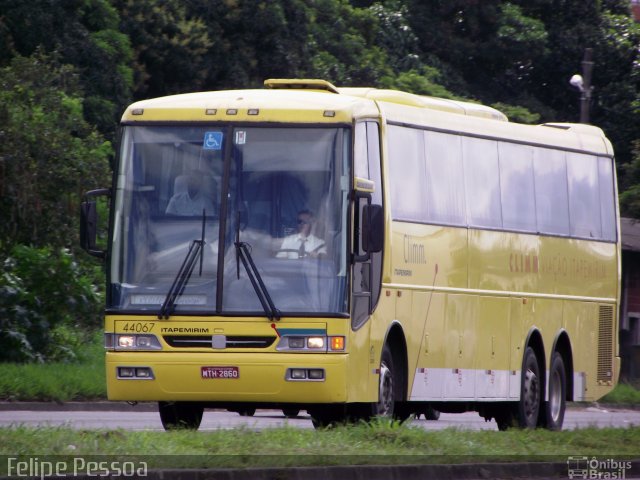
(562, 345)
(397, 342)
(535, 341)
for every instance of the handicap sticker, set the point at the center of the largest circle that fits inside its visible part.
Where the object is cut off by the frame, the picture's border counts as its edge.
(212, 141)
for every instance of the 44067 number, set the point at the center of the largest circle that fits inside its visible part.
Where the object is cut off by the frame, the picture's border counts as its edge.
(138, 327)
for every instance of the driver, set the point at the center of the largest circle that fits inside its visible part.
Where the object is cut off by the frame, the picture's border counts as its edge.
(192, 200)
(303, 243)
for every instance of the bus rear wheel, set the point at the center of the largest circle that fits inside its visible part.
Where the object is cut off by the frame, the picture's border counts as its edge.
(176, 415)
(530, 391)
(555, 407)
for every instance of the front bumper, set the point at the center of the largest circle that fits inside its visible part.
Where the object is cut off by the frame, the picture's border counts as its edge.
(261, 377)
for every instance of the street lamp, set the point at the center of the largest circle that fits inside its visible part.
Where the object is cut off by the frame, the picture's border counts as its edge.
(583, 83)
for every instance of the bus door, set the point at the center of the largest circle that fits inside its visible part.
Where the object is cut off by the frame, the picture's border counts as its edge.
(367, 265)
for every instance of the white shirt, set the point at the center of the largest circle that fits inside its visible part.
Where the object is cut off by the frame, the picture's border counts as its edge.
(183, 204)
(312, 245)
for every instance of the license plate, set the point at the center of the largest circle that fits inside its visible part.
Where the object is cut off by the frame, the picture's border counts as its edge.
(220, 372)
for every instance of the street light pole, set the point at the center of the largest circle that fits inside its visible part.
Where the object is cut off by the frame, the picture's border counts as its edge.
(585, 95)
(583, 83)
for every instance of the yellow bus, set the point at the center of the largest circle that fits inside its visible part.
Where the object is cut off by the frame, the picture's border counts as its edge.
(355, 252)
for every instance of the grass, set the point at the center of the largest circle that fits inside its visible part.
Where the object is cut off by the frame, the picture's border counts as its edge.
(59, 382)
(623, 394)
(377, 443)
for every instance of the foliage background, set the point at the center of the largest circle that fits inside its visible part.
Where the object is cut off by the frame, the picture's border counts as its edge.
(68, 68)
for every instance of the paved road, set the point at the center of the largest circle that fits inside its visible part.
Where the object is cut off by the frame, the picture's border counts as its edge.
(145, 417)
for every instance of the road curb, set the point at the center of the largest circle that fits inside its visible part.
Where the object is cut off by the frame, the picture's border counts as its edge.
(374, 472)
(88, 406)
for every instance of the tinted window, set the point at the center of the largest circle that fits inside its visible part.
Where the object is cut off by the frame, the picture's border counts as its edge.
(584, 196)
(445, 179)
(552, 198)
(407, 173)
(516, 187)
(456, 180)
(607, 198)
(361, 163)
(482, 181)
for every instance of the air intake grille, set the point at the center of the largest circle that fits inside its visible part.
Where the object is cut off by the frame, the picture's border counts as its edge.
(204, 341)
(605, 344)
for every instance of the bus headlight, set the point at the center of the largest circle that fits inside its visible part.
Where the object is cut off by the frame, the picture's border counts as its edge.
(118, 341)
(315, 342)
(311, 344)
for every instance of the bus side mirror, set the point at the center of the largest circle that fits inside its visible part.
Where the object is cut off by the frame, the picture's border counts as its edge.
(89, 223)
(372, 228)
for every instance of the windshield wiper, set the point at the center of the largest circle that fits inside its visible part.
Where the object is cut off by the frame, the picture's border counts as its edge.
(184, 274)
(243, 253)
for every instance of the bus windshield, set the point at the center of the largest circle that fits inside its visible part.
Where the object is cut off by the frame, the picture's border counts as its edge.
(219, 197)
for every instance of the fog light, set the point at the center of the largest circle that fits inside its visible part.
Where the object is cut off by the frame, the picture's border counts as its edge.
(298, 374)
(126, 372)
(143, 372)
(316, 374)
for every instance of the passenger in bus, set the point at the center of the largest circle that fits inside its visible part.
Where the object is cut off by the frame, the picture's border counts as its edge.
(190, 196)
(303, 243)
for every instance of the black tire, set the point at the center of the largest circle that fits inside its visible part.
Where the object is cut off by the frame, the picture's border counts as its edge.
(247, 412)
(506, 417)
(290, 412)
(529, 406)
(180, 415)
(390, 390)
(387, 386)
(431, 413)
(328, 416)
(557, 403)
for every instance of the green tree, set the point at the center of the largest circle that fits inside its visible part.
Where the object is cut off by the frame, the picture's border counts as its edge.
(493, 45)
(85, 33)
(342, 45)
(630, 197)
(47, 300)
(253, 40)
(170, 49)
(49, 154)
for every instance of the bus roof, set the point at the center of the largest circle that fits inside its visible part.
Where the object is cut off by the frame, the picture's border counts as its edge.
(258, 105)
(318, 101)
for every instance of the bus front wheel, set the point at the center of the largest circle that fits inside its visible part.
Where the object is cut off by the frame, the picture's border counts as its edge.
(390, 389)
(386, 397)
(176, 415)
